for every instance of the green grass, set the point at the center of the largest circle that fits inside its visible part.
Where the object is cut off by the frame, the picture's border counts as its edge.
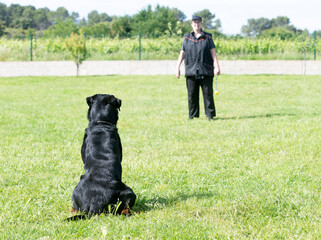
(254, 173)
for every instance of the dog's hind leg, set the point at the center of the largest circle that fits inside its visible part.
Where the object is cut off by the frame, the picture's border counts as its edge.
(127, 198)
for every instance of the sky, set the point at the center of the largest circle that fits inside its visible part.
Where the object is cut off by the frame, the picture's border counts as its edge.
(303, 14)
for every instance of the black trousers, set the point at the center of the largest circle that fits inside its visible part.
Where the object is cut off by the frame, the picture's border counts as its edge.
(193, 86)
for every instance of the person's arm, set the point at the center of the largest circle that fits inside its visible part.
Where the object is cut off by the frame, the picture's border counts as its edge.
(216, 65)
(179, 62)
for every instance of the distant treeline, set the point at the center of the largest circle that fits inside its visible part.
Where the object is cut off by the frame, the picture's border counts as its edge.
(19, 21)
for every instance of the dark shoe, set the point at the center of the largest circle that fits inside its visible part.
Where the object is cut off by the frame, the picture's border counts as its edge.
(190, 118)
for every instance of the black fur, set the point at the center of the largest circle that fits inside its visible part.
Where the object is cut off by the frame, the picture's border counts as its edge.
(101, 152)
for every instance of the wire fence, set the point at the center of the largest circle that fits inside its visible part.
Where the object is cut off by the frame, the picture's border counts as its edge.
(161, 48)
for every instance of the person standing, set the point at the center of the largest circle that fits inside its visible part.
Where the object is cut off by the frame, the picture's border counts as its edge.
(198, 50)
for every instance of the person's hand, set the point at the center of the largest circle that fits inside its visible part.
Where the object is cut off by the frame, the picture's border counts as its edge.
(178, 73)
(217, 71)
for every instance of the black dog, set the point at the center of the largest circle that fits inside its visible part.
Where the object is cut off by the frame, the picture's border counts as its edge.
(101, 186)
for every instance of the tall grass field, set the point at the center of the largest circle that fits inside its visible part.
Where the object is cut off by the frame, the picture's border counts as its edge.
(253, 173)
(162, 48)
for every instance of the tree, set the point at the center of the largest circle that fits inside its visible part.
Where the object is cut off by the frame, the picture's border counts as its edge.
(61, 29)
(61, 14)
(27, 17)
(217, 25)
(14, 11)
(98, 30)
(74, 16)
(122, 27)
(105, 18)
(281, 26)
(40, 19)
(207, 18)
(3, 13)
(283, 22)
(76, 45)
(280, 22)
(180, 16)
(2, 27)
(255, 26)
(156, 22)
(93, 18)
(277, 32)
(82, 22)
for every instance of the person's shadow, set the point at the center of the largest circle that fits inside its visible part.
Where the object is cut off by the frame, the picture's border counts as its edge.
(268, 115)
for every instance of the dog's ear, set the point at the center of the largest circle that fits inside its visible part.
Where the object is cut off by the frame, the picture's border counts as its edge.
(90, 100)
(116, 102)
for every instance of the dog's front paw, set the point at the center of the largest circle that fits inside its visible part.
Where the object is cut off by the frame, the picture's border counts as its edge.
(126, 211)
(73, 210)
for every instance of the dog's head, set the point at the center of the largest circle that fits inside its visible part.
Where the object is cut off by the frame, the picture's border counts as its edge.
(103, 107)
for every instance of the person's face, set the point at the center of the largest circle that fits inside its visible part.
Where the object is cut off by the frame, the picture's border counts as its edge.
(196, 25)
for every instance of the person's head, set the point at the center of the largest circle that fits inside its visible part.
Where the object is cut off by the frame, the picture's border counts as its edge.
(196, 23)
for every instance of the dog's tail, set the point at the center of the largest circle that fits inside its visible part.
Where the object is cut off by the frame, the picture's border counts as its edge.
(77, 217)
(81, 216)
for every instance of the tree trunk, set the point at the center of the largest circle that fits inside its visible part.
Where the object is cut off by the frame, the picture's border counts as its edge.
(77, 70)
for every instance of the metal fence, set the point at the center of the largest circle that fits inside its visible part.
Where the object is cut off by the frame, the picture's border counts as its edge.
(162, 48)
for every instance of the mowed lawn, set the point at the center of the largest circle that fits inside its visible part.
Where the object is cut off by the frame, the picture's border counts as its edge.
(254, 173)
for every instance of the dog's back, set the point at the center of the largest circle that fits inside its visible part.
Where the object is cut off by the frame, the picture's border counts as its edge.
(103, 149)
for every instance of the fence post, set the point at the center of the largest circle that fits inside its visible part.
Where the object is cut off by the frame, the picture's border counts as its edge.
(31, 47)
(315, 45)
(85, 35)
(139, 48)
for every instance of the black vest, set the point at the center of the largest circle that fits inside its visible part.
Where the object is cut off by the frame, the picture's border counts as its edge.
(198, 57)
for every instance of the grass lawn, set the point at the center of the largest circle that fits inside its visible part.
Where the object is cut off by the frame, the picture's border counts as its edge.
(254, 173)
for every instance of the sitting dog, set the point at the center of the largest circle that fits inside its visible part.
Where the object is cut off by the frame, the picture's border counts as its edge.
(101, 186)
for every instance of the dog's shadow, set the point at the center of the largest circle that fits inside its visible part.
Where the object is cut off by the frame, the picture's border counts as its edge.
(145, 204)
